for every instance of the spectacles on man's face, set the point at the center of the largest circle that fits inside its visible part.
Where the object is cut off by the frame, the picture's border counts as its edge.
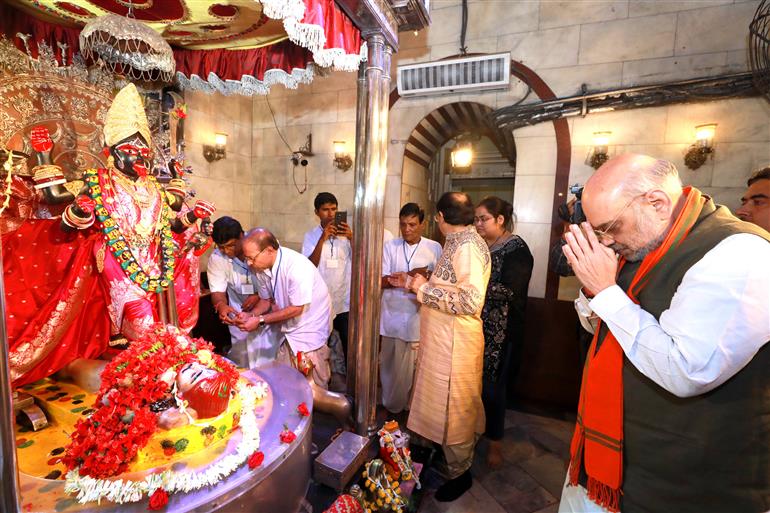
(606, 233)
(251, 260)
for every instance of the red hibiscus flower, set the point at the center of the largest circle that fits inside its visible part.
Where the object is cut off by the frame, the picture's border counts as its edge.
(256, 459)
(302, 410)
(287, 436)
(158, 500)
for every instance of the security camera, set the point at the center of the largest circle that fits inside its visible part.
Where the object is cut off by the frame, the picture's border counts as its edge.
(298, 159)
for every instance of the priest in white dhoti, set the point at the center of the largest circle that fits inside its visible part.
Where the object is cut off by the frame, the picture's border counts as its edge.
(446, 402)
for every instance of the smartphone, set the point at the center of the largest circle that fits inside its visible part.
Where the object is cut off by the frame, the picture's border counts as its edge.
(340, 217)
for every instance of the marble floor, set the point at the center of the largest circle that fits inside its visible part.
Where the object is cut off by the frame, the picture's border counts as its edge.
(536, 452)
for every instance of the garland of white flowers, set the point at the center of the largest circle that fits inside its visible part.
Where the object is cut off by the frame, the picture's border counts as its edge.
(89, 489)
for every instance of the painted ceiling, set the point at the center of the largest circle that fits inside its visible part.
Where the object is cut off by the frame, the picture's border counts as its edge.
(190, 24)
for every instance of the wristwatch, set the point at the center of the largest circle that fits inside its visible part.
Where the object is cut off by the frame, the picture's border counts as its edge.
(261, 321)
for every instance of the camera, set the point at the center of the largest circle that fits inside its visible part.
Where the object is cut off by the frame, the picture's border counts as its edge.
(299, 160)
(576, 216)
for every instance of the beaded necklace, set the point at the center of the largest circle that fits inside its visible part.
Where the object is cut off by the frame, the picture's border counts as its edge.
(122, 251)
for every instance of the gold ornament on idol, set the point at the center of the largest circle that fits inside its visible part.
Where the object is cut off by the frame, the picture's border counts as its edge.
(126, 117)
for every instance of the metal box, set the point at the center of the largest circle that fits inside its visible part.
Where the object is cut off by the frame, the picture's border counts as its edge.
(337, 465)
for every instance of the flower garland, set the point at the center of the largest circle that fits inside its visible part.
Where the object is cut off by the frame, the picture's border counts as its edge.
(7, 167)
(120, 248)
(104, 444)
(158, 486)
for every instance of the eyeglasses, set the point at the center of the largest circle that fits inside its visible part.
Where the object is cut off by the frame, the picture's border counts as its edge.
(481, 219)
(606, 233)
(250, 260)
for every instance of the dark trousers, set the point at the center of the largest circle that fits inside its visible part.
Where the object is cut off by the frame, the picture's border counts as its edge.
(341, 325)
(494, 393)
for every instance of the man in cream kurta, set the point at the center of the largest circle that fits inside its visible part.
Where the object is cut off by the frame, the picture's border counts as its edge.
(446, 402)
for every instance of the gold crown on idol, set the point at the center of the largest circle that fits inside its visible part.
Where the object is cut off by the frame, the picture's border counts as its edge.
(126, 117)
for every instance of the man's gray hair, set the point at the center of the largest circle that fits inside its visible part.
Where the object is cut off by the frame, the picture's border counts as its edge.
(661, 175)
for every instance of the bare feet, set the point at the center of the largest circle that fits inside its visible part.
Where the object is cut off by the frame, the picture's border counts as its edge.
(495, 455)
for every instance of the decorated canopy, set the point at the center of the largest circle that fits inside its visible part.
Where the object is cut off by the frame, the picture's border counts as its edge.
(242, 46)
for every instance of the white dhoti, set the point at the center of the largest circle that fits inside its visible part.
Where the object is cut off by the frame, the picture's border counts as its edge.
(397, 361)
(251, 349)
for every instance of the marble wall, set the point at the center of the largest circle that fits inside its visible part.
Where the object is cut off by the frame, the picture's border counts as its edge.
(603, 44)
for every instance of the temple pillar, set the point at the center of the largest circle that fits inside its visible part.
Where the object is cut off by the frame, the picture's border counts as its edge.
(9, 490)
(368, 219)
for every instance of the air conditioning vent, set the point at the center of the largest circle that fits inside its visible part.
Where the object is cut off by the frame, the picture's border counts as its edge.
(481, 72)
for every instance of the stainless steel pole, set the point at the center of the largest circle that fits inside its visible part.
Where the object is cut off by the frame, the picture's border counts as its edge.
(371, 174)
(358, 170)
(9, 502)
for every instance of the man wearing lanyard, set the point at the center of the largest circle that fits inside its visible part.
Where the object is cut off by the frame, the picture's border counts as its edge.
(400, 319)
(232, 291)
(294, 298)
(328, 247)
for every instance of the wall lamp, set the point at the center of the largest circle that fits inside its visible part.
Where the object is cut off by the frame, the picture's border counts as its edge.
(218, 151)
(702, 148)
(462, 156)
(342, 158)
(600, 151)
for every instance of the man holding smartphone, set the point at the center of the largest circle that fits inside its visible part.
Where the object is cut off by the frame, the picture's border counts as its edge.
(328, 247)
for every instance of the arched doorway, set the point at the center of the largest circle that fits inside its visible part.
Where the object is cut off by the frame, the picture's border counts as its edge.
(426, 173)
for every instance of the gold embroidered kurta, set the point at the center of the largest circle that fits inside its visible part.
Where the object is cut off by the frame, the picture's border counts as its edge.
(446, 403)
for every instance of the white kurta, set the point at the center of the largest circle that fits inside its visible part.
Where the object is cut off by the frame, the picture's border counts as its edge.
(233, 277)
(334, 266)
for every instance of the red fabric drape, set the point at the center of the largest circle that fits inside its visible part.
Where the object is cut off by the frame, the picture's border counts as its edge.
(13, 21)
(234, 64)
(226, 64)
(339, 30)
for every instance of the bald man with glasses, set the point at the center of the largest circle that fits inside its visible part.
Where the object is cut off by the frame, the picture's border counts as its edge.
(675, 401)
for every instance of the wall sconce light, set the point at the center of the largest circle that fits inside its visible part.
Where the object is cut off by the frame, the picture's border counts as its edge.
(342, 158)
(600, 151)
(702, 148)
(218, 151)
(462, 156)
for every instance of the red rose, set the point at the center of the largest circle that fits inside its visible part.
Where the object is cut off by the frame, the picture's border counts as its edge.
(288, 436)
(256, 459)
(302, 410)
(158, 500)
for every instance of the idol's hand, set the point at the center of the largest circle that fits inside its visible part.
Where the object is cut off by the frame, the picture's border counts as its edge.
(594, 264)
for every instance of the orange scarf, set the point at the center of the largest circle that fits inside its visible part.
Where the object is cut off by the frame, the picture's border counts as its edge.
(598, 438)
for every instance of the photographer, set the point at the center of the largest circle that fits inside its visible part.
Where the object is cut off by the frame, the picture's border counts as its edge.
(328, 247)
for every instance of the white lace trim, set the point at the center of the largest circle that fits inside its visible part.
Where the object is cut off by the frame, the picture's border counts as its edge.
(305, 35)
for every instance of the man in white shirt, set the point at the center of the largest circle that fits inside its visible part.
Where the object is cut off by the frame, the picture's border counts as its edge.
(328, 247)
(293, 297)
(233, 289)
(400, 317)
(673, 413)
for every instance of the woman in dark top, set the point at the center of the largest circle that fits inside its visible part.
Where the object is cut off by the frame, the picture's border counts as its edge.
(503, 313)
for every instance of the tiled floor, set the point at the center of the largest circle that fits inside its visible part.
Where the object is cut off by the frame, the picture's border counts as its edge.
(535, 450)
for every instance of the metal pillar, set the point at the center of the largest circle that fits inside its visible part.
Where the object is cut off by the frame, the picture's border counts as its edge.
(9, 490)
(371, 173)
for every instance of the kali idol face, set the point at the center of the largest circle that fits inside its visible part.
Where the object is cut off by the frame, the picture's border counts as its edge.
(206, 390)
(133, 156)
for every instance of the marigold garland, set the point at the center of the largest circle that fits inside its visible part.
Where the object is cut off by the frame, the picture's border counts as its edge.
(120, 248)
(104, 444)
